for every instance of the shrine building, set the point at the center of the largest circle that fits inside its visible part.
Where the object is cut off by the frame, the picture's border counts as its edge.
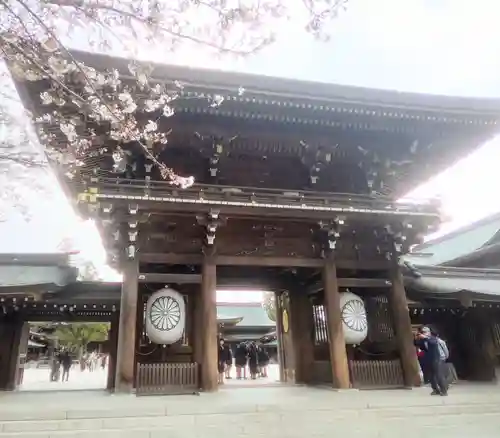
(298, 189)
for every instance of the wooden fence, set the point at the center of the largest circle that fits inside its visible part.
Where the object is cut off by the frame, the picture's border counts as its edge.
(167, 378)
(376, 373)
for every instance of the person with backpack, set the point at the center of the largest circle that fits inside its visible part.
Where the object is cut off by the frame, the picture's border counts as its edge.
(436, 353)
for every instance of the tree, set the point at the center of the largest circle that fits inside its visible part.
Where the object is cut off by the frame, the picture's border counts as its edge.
(77, 336)
(269, 304)
(88, 106)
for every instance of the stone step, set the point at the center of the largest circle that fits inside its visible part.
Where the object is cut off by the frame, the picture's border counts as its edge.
(279, 423)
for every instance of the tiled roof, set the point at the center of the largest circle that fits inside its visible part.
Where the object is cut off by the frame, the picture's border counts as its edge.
(253, 315)
(456, 244)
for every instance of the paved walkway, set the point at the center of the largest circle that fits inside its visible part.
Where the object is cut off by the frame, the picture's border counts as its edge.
(37, 379)
(271, 412)
(273, 375)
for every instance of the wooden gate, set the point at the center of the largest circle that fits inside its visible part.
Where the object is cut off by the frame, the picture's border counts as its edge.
(167, 378)
(376, 373)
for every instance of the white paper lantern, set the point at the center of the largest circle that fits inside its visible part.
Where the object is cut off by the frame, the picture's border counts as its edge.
(165, 316)
(354, 321)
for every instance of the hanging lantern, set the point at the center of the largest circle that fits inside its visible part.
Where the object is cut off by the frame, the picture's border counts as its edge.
(165, 316)
(354, 321)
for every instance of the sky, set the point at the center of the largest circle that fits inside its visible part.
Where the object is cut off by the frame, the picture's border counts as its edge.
(448, 47)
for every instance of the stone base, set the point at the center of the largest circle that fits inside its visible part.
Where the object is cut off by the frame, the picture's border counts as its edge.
(292, 412)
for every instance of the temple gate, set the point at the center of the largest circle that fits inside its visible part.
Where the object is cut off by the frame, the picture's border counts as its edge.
(296, 189)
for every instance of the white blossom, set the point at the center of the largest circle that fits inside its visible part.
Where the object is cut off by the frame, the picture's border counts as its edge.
(151, 126)
(168, 111)
(217, 100)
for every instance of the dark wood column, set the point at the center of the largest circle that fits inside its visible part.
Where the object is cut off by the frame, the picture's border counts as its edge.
(22, 353)
(197, 329)
(338, 354)
(207, 330)
(279, 336)
(113, 350)
(125, 360)
(402, 328)
(301, 319)
(11, 328)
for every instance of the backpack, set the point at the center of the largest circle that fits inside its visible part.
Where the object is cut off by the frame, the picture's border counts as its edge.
(444, 353)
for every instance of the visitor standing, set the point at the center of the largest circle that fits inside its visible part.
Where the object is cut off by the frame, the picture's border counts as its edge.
(221, 361)
(433, 355)
(263, 358)
(241, 359)
(253, 360)
(229, 360)
(66, 362)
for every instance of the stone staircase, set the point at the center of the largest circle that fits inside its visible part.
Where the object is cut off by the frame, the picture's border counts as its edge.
(270, 413)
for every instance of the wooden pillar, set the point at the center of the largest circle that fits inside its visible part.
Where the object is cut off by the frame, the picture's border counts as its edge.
(22, 353)
(197, 330)
(207, 330)
(338, 353)
(113, 350)
(279, 336)
(302, 326)
(11, 328)
(402, 328)
(125, 360)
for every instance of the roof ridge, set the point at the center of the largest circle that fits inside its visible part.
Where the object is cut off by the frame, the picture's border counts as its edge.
(301, 89)
(463, 229)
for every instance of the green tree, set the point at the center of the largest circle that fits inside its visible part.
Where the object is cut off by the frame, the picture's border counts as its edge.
(77, 336)
(269, 304)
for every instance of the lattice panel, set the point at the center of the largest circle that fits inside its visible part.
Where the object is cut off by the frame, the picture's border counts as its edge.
(380, 324)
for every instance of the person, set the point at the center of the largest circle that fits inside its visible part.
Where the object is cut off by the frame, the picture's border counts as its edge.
(66, 362)
(240, 359)
(104, 361)
(444, 352)
(221, 359)
(229, 361)
(423, 366)
(430, 344)
(263, 358)
(253, 360)
(54, 365)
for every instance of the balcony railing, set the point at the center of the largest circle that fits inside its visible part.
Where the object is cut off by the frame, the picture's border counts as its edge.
(218, 195)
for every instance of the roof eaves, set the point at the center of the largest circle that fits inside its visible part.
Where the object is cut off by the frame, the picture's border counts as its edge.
(307, 91)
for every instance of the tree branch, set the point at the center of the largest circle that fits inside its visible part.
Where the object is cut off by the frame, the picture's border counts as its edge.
(82, 5)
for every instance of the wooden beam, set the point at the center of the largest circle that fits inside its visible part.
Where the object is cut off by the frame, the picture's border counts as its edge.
(353, 282)
(36, 317)
(171, 258)
(151, 277)
(269, 261)
(298, 262)
(380, 215)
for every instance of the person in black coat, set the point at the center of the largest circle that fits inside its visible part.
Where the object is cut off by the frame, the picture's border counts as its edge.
(263, 358)
(221, 358)
(241, 359)
(429, 343)
(253, 360)
(229, 360)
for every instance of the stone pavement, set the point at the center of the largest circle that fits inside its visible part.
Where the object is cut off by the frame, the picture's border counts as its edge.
(37, 379)
(272, 412)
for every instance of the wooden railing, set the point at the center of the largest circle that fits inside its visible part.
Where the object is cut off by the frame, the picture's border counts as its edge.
(166, 378)
(116, 188)
(376, 373)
